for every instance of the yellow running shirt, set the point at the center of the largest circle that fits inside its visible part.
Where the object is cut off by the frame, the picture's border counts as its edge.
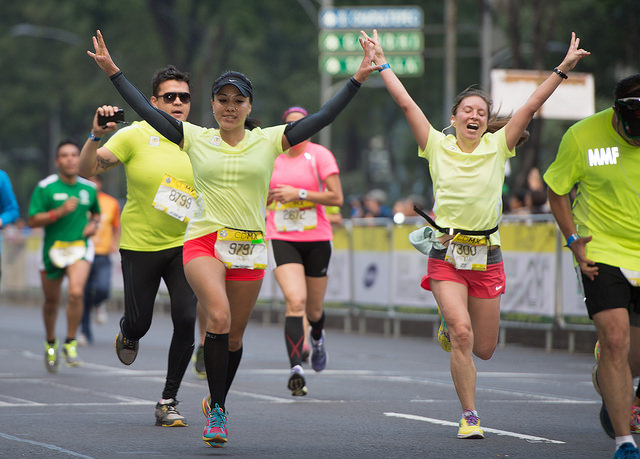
(232, 181)
(147, 157)
(467, 187)
(607, 204)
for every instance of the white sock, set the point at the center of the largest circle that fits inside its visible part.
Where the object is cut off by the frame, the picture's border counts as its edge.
(624, 439)
(166, 401)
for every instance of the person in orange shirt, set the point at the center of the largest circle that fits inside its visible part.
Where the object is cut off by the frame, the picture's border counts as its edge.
(105, 240)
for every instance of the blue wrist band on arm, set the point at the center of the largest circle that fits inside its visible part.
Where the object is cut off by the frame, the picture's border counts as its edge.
(93, 138)
(571, 239)
(384, 67)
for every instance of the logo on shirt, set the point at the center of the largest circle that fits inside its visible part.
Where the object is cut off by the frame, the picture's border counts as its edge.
(84, 197)
(603, 156)
(60, 196)
(216, 140)
(154, 141)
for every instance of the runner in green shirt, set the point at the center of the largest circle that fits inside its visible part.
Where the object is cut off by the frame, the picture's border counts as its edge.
(67, 207)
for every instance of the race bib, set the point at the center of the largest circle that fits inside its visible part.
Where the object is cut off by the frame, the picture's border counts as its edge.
(176, 199)
(295, 216)
(66, 253)
(241, 249)
(632, 276)
(467, 252)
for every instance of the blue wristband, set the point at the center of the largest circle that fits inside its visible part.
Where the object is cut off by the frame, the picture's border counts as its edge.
(384, 67)
(571, 239)
(93, 138)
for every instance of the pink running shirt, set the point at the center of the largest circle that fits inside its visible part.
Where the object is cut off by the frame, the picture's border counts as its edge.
(300, 173)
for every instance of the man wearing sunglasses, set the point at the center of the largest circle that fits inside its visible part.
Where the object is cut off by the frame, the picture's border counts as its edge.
(160, 201)
(600, 155)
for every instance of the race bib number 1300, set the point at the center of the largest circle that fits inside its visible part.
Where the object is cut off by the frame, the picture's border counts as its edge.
(467, 252)
(175, 198)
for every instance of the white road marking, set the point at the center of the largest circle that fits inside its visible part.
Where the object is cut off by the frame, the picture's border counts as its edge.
(44, 445)
(529, 438)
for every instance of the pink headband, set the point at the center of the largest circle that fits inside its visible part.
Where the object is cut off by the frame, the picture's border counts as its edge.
(290, 110)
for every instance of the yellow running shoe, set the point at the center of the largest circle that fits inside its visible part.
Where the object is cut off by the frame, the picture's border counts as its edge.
(596, 351)
(470, 425)
(70, 353)
(51, 361)
(443, 334)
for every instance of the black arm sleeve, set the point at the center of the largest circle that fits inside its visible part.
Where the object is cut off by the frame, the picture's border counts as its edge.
(302, 129)
(162, 122)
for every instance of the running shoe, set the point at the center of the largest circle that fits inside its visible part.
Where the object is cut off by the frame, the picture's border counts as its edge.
(318, 354)
(70, 353)
(215, 431)
(443, 334)
(470, 426)
(297, 384)
(126, 349)
(198, 363)
(51, 362)
(605, 421)
(206, 406)
(635, 419)
(167, 415)
(596, 351)
(627, 451)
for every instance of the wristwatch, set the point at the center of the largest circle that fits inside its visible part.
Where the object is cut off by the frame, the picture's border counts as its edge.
(302, 194)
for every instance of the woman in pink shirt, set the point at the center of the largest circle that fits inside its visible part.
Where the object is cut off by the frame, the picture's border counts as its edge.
(305, 179)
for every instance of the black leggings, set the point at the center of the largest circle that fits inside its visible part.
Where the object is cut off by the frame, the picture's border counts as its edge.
(142, 272)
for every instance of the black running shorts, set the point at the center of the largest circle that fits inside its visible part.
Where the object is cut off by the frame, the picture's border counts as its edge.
(611, 290)
(314, 255)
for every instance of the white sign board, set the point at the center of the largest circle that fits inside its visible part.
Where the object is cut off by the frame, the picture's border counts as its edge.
(574, 99)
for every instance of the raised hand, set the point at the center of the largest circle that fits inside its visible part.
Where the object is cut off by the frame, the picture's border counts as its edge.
(101, 55)
(366, 66)
(379, 53)
(574, 54)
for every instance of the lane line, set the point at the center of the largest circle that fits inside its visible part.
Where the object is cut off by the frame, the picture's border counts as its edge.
(529, 438)
(44, 445)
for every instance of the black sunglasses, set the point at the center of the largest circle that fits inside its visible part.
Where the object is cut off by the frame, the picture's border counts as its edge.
(169, 97)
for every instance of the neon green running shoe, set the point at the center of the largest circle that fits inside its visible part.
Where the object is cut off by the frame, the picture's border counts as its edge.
(51, 361)
(443, 334)
(596, 351)
(70, 353)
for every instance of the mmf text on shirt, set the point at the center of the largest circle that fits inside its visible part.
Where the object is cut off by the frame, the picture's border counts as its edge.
(603, 156)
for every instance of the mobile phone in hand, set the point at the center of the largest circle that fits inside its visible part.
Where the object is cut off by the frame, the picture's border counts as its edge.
(118, 117)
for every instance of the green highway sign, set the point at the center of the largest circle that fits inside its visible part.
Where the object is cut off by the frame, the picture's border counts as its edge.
(348, 64)
(391, 41)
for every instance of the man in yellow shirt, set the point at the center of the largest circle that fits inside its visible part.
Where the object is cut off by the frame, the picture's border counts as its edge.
(160, 202)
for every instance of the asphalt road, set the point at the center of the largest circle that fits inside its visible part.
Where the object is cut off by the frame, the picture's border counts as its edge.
(378, 398)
